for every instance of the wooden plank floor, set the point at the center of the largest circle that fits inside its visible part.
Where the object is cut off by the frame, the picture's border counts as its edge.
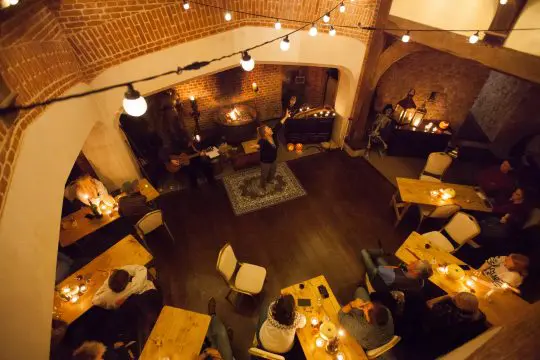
(345, 210)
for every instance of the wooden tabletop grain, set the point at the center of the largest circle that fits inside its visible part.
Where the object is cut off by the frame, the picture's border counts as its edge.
(177, 335)
(127, 251)
(330, 308)
(501, 308)
(419, 192)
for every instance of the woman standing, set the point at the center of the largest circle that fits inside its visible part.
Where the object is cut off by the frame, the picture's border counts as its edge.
(268, 144)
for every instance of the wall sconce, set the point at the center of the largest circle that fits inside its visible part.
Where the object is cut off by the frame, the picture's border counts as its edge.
(405, 109)
(255, 87)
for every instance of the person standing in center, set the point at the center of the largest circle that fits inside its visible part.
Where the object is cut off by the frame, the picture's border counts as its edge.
(268, 144)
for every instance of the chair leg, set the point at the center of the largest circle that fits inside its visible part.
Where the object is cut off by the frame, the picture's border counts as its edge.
(400, 214)
(170, 234)
(228, 298)
(422, 217)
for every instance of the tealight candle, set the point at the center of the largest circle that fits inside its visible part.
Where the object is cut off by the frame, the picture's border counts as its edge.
(66, 290)
(319, 342)
(314, 321)
(505, 286)
(82, 289)
(340, 356)
(74, 299)
(442, 269)
(469, 282)
(75, 290)
(341, 333)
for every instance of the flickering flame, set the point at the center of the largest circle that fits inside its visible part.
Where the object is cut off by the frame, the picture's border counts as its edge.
(234, 114)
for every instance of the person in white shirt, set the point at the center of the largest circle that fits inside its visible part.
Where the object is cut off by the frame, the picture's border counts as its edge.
(511, 269)
(121, 284)
(277, 332)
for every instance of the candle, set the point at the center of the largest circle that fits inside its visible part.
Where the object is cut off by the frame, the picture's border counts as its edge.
(86, 196)
(340, 356)
(82, 289)
(505, 286)
(442, 269)
(66, 290)
(75, 290)
(341, 333)
(314, 321)
(74, 299)
(192, 98)
(470, 283)
(319, 342)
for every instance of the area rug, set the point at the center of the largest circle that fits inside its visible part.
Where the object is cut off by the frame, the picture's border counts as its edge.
(242, 188)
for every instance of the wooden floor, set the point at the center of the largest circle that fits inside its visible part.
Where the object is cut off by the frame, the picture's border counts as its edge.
(345, 210)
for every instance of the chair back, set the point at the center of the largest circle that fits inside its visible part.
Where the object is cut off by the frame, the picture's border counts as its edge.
(375, 353)
(369, 287)
(437, 163)
(226, 262)
(444, 211)
(150, 222)
(265, 354)
(429, 178)
(462, 228)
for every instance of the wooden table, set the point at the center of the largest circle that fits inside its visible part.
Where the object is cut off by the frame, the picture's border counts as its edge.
(414, 191)
(177, 335)
(127, 251)
(86, 226)
(330, 308)
(502, 307)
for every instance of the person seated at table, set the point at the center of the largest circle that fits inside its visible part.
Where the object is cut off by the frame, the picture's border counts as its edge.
(217, 345)
(96, 350)
(88, 190)
(280, 323)
(510, 217)
(498, 181)
(386, 278)
(134, 205)
(369, 322)
(121, 284)
(511, 269)
(453, 320)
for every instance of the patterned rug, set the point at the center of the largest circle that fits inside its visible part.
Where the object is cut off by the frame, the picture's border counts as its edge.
(243, 189)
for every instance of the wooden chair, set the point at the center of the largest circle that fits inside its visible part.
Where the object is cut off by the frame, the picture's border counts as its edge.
(436, 212)
(400, 207)
(149, 223)
(240, 277)
(262, 354)
(436, 165)
(375, 353)
(462, 228)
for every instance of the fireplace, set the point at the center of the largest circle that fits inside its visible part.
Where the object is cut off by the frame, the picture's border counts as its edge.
(237, 123)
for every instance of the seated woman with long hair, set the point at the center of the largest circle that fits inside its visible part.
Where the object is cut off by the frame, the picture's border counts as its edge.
(277, 332)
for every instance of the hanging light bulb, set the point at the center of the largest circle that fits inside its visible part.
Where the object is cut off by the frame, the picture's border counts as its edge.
(134, 103)
(277, 25)
(247, 62)
(406, 37)
(186, 5)
(313, 30)
(228, 16)
(503, 2)
(342, 7)
(332, 31)
(285, 44)
(473, 39)
(326, 17)
(13, 2)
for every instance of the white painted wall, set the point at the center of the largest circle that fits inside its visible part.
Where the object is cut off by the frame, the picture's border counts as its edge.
(29, 225)
(527, 41)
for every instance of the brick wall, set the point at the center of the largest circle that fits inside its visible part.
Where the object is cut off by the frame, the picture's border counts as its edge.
(231, 87)
(315, 85)
(458, 82)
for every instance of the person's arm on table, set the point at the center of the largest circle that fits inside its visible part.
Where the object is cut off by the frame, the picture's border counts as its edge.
(436, 300)
(100, 297)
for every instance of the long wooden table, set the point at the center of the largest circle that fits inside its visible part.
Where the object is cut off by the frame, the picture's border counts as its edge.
(83, 226)
(414, 191)
(177, 335)
(330, 308)
(501, 308)
(127, 251)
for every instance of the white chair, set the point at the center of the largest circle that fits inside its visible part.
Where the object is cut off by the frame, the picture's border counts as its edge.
(462, 228)
(265, 354)
(375, 353)
(436, 165)
(240, 277)
(149, 223)
(436, 212)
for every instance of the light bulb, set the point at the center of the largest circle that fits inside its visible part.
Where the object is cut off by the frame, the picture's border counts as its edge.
(228, 16)
(285, 44)
(277, 25)
(134, 103)
(332, 31)
(313, 30)
(13, 2)
(342, 8)
(406, 37)
(326, 17)
(186, 5)
(247, 62)
(503, 2)
(473, 39)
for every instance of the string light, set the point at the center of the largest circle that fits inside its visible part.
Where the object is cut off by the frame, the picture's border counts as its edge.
(332, 31)
(247, 62)
(186, 5)
(277, 25)
(503, 2)
(326, 18)
(13, 2)
(228, 16)
(473, 39)
(406, 37)
(285, 44)
(313, 30)
(134, 103)
(342, 7)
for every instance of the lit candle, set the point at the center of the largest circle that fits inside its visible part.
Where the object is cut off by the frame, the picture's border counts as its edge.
(66, 290)
(340, 356)
(74, 299)
(109, 212)
(82, 289)
(314, 321)
(505, 286)
(470, 283)
(86, 196)
(75, 290)
(442, 269)
(192, 98)
(319, 342)
(341, 333)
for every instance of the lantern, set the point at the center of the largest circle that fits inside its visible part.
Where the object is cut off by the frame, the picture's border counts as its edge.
(299, 147)
(290, 147)
(418, 115)
(405, 109)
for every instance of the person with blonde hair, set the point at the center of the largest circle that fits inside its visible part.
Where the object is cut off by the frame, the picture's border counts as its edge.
(90, 350)
(511, 269)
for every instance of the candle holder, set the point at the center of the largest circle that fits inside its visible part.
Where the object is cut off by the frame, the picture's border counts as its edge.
(319, 342)
(332, 346)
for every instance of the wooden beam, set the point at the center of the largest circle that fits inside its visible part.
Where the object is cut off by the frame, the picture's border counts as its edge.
(508, 61)
(505, 18)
